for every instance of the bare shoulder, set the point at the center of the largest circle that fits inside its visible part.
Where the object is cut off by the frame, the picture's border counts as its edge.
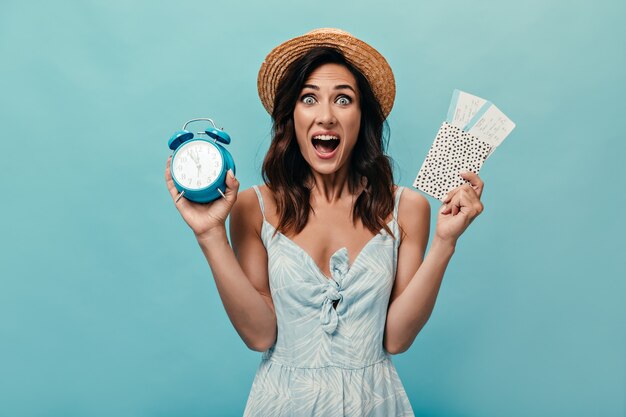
(413, 213)
(246, 212)
(412, 198)
(269, 202)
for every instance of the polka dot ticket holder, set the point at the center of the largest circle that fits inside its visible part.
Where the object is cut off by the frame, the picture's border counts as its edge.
(452, 152)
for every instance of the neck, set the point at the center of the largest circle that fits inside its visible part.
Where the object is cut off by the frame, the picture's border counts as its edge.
(330, 188)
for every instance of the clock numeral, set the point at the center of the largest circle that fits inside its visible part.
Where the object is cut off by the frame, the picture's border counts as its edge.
(182, 176)
(198, 183)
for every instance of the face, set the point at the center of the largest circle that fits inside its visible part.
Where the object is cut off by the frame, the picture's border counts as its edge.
(327, 118)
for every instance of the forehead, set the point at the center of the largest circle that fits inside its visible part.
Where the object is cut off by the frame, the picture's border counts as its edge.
(332, 74)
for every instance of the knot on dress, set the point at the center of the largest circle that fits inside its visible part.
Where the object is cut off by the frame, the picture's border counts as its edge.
(338, 269)
(339, 265)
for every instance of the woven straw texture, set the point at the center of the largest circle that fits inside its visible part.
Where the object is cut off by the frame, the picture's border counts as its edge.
(367, 59)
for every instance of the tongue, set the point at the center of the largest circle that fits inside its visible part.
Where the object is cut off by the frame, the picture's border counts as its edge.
(325, 146)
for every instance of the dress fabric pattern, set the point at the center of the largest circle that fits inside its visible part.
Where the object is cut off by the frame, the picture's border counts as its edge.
(328, 358)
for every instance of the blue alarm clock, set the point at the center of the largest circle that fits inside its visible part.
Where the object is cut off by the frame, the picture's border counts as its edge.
(199, 165)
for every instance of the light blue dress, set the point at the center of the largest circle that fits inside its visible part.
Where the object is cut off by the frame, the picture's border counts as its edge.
(329, 361)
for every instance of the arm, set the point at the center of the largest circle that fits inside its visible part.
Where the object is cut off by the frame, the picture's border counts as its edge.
(418, 279)
(241, 275)
(241, 279)
(417, 282)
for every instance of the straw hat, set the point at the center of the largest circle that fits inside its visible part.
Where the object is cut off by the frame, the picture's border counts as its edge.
(365, 58)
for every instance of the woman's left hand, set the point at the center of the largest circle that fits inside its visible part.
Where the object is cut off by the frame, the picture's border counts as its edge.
(460, 208)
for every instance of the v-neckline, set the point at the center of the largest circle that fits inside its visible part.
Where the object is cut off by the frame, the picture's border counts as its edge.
(310, 258)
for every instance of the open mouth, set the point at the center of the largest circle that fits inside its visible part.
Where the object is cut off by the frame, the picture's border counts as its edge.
(325, 144)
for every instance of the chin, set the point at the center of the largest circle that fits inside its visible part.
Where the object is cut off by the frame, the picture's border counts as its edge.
(325, 167)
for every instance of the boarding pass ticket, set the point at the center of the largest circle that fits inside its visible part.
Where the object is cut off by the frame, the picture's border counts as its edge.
(479, 117)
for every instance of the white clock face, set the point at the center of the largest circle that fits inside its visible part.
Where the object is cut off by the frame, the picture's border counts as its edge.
(197, 164)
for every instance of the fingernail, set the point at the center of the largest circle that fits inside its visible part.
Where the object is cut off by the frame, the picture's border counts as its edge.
(230, 173)
(445, 197)
(443, 208)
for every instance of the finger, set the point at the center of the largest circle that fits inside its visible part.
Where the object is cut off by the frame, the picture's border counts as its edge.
(168, 174)
(448, 197)
(173, 191)
(470, 204)
(472, 201)
(452, 200)
(462, 198)
(470, 190)
(447, 200)
(170, 182)
(456, 202)
(232, 185)
(448, 208)
(474, 180)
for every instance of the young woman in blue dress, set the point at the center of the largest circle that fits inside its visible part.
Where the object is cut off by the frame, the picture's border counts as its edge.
(328, 194)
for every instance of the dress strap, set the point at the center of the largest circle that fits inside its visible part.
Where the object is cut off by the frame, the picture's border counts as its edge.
(260, 197)
(397, 202)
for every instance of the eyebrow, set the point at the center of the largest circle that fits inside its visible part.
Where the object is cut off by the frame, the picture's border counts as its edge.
(337, 87)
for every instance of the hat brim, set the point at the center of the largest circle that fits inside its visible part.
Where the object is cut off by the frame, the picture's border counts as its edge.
(358, 53)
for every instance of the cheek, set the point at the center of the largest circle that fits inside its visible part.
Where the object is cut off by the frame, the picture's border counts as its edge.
(300, 123)
(353, 126)
(300, 130)
(301, 134)
(302, 143)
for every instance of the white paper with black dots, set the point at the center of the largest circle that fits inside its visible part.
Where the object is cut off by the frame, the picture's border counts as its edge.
(453, 151)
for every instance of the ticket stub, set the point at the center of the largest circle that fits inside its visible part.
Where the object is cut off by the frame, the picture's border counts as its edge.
(463, 107)
(490, 125)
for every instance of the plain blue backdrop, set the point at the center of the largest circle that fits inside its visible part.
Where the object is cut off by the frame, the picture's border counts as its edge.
(107, 306)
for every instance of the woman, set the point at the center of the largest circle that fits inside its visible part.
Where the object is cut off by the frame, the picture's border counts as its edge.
(326, 274)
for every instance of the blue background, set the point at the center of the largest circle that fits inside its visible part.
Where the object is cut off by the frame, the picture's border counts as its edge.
(107, 306)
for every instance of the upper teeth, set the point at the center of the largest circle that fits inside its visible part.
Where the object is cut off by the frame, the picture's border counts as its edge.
(325, 137)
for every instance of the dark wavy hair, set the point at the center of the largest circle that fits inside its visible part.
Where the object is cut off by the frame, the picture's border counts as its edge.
(286, 172)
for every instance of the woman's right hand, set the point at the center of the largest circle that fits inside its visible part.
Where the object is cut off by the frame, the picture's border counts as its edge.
(206, 217)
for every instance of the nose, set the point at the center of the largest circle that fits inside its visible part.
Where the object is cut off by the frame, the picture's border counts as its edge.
(326, 115)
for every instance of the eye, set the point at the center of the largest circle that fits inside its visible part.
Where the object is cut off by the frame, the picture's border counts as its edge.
(344, 100)
(308, 99)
